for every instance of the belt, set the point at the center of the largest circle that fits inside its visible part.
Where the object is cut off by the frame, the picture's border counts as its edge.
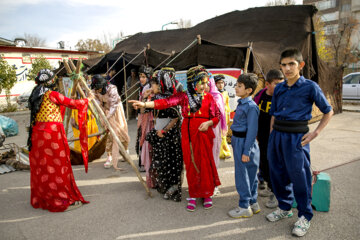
(239, 134)
(291, 126)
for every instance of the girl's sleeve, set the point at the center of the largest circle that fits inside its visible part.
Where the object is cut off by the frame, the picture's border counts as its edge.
(81, 105)
(114, 101)
(175, 100)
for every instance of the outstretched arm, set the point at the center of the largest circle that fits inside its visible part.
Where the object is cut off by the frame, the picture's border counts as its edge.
(138, 104)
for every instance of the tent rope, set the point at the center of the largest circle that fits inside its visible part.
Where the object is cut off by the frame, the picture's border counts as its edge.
(162, 62)
(257, 62)
(130, 89)
(131, 94)
(127, 64)
(192, 43)
(114, 63)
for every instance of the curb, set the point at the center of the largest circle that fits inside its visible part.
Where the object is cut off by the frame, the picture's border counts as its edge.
(349, 110)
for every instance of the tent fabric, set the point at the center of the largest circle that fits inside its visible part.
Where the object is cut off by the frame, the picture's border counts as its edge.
(224, 40)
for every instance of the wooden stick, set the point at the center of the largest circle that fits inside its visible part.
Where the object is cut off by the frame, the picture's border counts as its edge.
(247, 57)
(125, 82)
(72, 95)
(123, 153)
(89, 136)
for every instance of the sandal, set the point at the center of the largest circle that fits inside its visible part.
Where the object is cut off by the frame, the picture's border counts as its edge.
(208, 204)
(73, 206)
(191, 204)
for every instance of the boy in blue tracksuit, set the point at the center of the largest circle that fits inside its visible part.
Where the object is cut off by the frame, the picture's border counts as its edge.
(288, 147)
(246, 150)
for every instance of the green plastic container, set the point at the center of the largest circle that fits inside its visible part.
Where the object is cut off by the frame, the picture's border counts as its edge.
(321, 193)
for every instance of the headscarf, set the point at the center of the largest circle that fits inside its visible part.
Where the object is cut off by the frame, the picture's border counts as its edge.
(219, 101)
(45, 81)
(99, 82)
(165, 78)
(194, 75)
(148, 71)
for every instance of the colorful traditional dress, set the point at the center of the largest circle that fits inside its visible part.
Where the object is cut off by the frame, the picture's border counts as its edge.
(201, 172)
(167, 159)
(52, 181)
(111, 104)
(225, 151)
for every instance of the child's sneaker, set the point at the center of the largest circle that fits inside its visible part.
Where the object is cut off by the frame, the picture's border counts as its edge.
(272, 203)
(255, 208)
(239, 212)
(279, 214)
(301, 227)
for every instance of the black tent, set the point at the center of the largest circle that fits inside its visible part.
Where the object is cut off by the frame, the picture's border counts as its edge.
(224, 42)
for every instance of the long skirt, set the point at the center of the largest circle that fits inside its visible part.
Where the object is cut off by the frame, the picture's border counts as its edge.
(52, 180)
(201, 172)
(167, 161)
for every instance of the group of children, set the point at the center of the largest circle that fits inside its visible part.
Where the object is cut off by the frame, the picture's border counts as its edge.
(269, 133)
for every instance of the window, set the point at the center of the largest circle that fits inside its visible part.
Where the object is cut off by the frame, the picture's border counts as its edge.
(345, 7)
(331, 29)
(330, 17)
(26, 58)
(323, 5)
(352, 79)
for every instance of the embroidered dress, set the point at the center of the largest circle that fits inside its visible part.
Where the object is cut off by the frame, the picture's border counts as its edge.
(111, 104)
(167, 160)
(225, 151)
(201, 172)
(52, 181)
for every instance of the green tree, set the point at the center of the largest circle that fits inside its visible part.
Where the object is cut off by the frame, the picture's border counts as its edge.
(37, 65)
(7, 79)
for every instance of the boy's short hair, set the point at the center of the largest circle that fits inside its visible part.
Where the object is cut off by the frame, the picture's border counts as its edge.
(250, 80)
(292, 53)
(274, 74)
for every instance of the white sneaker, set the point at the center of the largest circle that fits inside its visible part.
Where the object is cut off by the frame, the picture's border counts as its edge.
(255, 208)
(239, 212)
(272, 203)
(279, 214)
(301, 227)
(108, 162)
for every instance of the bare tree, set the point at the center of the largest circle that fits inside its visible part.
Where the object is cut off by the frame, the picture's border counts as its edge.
(280, 2)
(184, 23)
(111, 39)
(33, 40)
(340, 43)
(92, 45)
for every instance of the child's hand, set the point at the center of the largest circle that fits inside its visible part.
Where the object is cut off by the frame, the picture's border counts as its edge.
(159, 134)
(137, 104)
(204, 126)
(245, 158)
(307, 138)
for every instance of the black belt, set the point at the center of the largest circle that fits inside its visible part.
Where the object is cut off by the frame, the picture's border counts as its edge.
(291, 126)
(239, 134)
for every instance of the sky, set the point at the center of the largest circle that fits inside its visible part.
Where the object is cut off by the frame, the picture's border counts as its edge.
(71, 20)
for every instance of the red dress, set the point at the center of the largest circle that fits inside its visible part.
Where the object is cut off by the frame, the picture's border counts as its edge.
(52, 181)
(201, 172)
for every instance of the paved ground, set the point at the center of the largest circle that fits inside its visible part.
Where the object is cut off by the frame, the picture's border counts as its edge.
(120, 209)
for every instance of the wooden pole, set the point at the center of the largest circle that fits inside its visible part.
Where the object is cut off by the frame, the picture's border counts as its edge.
(89, 136)
(125, 86)
(123, 153)
(73, 90)
(247, 57)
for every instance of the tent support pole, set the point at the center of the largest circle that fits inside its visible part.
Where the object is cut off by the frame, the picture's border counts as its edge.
(125, 87)
(247, 57)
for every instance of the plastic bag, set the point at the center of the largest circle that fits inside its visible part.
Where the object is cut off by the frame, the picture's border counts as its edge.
(9, 126)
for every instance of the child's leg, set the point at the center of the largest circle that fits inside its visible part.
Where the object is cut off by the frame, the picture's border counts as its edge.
(241, 174)
(297, 159)
(252, 169)
(281, 185)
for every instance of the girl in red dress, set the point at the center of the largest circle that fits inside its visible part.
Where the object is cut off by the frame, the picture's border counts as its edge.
(52, 181)
(200, 112)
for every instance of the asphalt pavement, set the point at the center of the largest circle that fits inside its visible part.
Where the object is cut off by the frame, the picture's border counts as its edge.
(120, 209)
